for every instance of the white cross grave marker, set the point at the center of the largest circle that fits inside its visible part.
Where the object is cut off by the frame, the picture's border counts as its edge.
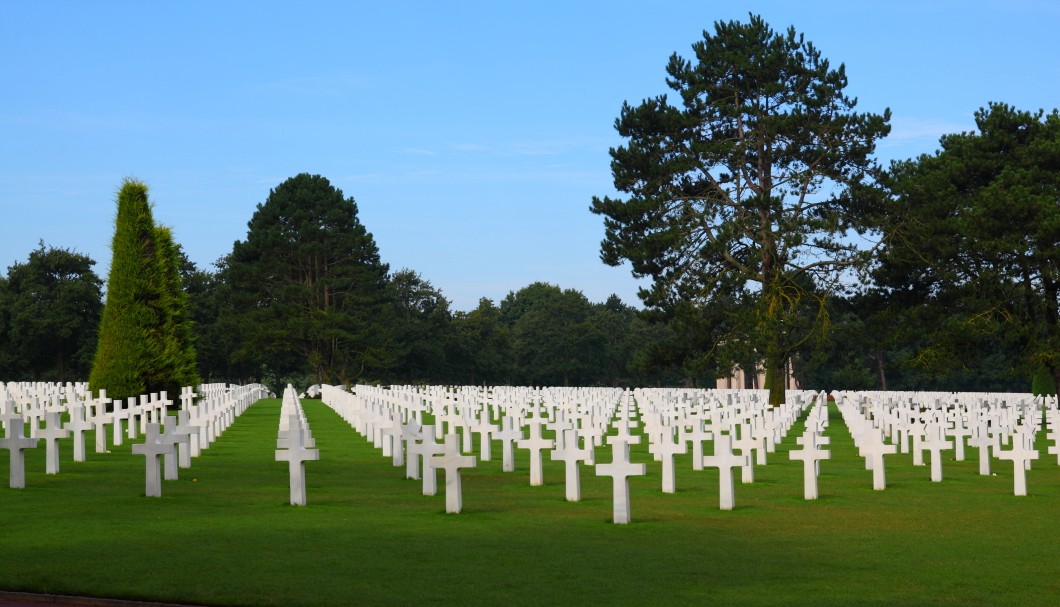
(810, 454)
(152, 448)
(570, 454)
(16, 443)
(620, 469)
(428, 449)
(666, 449)
(51, 434)
(186, 448)
(873, 451)
(536, 444)
(78, 426)
(176, 439)
(724, 460)
(508, 436)
(935, 444)
(452, 461)
(296, 455)
(412, 433)
(1020, 455)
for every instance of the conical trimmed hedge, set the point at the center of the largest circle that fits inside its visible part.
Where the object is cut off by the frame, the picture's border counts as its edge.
(144, 341)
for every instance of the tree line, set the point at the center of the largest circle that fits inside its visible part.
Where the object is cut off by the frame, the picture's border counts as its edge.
(771, 238)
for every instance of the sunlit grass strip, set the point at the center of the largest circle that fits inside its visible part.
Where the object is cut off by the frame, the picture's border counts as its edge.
(224, 534)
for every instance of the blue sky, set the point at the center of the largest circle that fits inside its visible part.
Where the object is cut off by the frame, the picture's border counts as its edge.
(472, 135)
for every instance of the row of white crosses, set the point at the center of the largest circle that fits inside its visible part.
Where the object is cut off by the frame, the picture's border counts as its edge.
(812, 441)
(26, 406)
(295, 444)
(580, 419)
(176, 440)
(888, 423)
(735, 421)
(392, 421)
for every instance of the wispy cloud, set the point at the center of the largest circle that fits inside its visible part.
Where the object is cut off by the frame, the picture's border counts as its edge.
(512, 148)
(905, 130)
(65, 120)
(323, 83)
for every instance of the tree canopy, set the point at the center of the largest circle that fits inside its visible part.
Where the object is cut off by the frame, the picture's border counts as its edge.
(757, 175)
(308, 290)
(976, 257)
(49, 312)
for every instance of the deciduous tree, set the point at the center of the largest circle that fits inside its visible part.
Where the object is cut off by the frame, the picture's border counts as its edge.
(49, 308)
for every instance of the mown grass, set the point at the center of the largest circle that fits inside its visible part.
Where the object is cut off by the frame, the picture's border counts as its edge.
(224, 534)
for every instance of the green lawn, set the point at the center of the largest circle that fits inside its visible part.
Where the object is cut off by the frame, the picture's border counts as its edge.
(223, 534)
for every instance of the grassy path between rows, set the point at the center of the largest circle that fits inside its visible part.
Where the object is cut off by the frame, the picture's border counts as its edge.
(224, 535)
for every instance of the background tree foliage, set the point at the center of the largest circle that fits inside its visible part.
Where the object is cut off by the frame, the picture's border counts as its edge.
(554, 340)
(423, 332)
(975, 262)
(49, 312)
(484, 347)
(307, 287)
(750, 179)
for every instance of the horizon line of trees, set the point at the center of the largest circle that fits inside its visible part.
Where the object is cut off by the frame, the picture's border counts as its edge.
(542, 334)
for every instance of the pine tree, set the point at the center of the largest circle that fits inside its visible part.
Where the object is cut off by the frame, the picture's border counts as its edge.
(308, 288)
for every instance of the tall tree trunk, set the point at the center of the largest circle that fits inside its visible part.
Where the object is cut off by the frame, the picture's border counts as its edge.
(879, 370)
(776, 381)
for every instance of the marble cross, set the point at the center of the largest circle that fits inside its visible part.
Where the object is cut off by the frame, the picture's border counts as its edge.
(185, 449)
(536, 444)
(52, 432)
(666, 448)
(452, 461)
(810, 454)
(508, 435)
(152, 448)
(873, 450)
(176, 440)
(935, 444)
(571, 455)
(16, 443)
(724, 460)
(296, 455)
(411, 434)
(78, 426)
(1020, 455)
(428, 448)
(620, 469)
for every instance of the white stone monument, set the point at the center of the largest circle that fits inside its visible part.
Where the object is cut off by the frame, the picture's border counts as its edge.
(52, 432)
(810, 454)
(152, 448)
(296, 455)
(620, 469)
(15, 442)
(452, 461)
(571, 455)
(725, 460)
